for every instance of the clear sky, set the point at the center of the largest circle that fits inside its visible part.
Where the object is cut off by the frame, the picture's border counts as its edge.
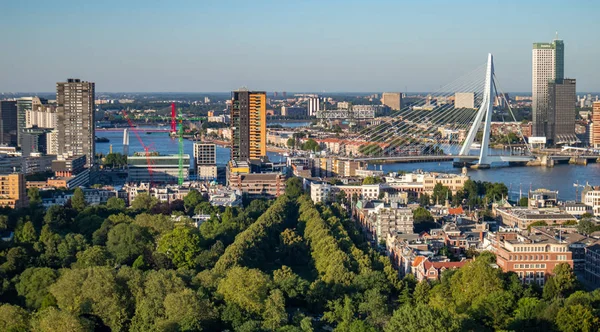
(286, 45)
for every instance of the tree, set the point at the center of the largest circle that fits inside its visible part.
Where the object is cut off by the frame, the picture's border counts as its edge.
(524, 201)
(33, 194)
(92, 291)
(422, 317)
(274, 315)
(13, 318)
(78, 200)
(192, 199)
(182, 245)
(311, 145)
(577, 317)
(291, 143)
(536, 224)
(423, 221)
(92, 256)
(126, 242)
(32, 285)
(440, 193)
(144, 202)
(115, 203)
(58, 216)
(27, 233)
(247, 288)
(374, 306)
(293, 187)
(371, 180)
(52, 319)
(187, 310)
(424, 200)
(115, 160)
(564, 279)
(421, 294)
(586, 226)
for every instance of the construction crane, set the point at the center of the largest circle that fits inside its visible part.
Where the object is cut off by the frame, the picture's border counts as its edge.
(180, 134)
(146, 148)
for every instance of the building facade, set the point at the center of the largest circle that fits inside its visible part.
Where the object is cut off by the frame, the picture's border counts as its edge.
(8, 123)
(25, 105)
(548, 65)
(248, 125)
(596, 128)
(314, 105)
(392, 100)
(75, 118)
(531, 255)
(464, 100)
(156, 168)
(13, 191)
(560, 128)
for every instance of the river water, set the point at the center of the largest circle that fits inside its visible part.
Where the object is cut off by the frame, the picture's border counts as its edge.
(560, 177)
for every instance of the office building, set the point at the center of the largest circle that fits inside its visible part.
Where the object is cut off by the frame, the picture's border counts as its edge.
(548, 65)
(8, 123)
(531, 255)
(392, 100)
(34, 141)
(24, 105)
(258, 185)
(314, 105)
(248, 125)
(464, 100)
(156, 168)
(75, 118)
(560, 128)
(13, 190)
(596, 128)
(205, 160)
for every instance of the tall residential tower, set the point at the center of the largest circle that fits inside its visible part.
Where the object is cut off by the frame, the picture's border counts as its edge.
(75, 118)
(248, 125)
(548, 66)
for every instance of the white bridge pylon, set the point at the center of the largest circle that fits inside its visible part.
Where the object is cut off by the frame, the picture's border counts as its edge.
(486, 109)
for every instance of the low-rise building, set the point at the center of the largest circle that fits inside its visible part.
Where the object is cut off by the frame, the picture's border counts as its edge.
(542, 198)
(531, 255)
(260, 184)
(320, 192)
(522, 218)
(156, 168)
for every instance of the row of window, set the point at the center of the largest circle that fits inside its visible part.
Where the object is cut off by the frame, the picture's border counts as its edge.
(530, 266)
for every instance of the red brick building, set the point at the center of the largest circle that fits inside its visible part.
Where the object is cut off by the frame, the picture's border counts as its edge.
(531, 255)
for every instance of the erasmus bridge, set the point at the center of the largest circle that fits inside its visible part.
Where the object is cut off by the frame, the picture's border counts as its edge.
(439, 129)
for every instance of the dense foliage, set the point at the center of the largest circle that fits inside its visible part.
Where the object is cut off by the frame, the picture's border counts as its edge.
(279, 265)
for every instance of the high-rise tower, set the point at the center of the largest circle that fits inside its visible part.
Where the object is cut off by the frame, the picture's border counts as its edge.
(548, 66)
(248, 125)
(75, 120)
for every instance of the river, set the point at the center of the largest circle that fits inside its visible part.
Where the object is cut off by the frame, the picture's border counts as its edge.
(560, 177)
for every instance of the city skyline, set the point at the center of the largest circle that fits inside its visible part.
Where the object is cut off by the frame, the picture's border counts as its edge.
(188, 48)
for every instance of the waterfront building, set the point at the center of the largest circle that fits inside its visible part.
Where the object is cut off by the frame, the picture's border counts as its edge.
(591, 197)
(548, 65)
(248, 125)
(393, 100)
(13, 192)
(464, 100)
(596, 128)
(291, 111)
(542, 198)
(156, 168)
(75, 118)
(560, 127)
(8, 123)
(418, 183)
(531, 255)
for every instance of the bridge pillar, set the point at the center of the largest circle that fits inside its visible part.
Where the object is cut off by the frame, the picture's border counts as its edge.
(485, 109)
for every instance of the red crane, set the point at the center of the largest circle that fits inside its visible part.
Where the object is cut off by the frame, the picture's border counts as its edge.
(173, 119)
(146, 148)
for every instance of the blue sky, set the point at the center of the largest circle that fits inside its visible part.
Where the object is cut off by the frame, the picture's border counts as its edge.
(309, 45)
